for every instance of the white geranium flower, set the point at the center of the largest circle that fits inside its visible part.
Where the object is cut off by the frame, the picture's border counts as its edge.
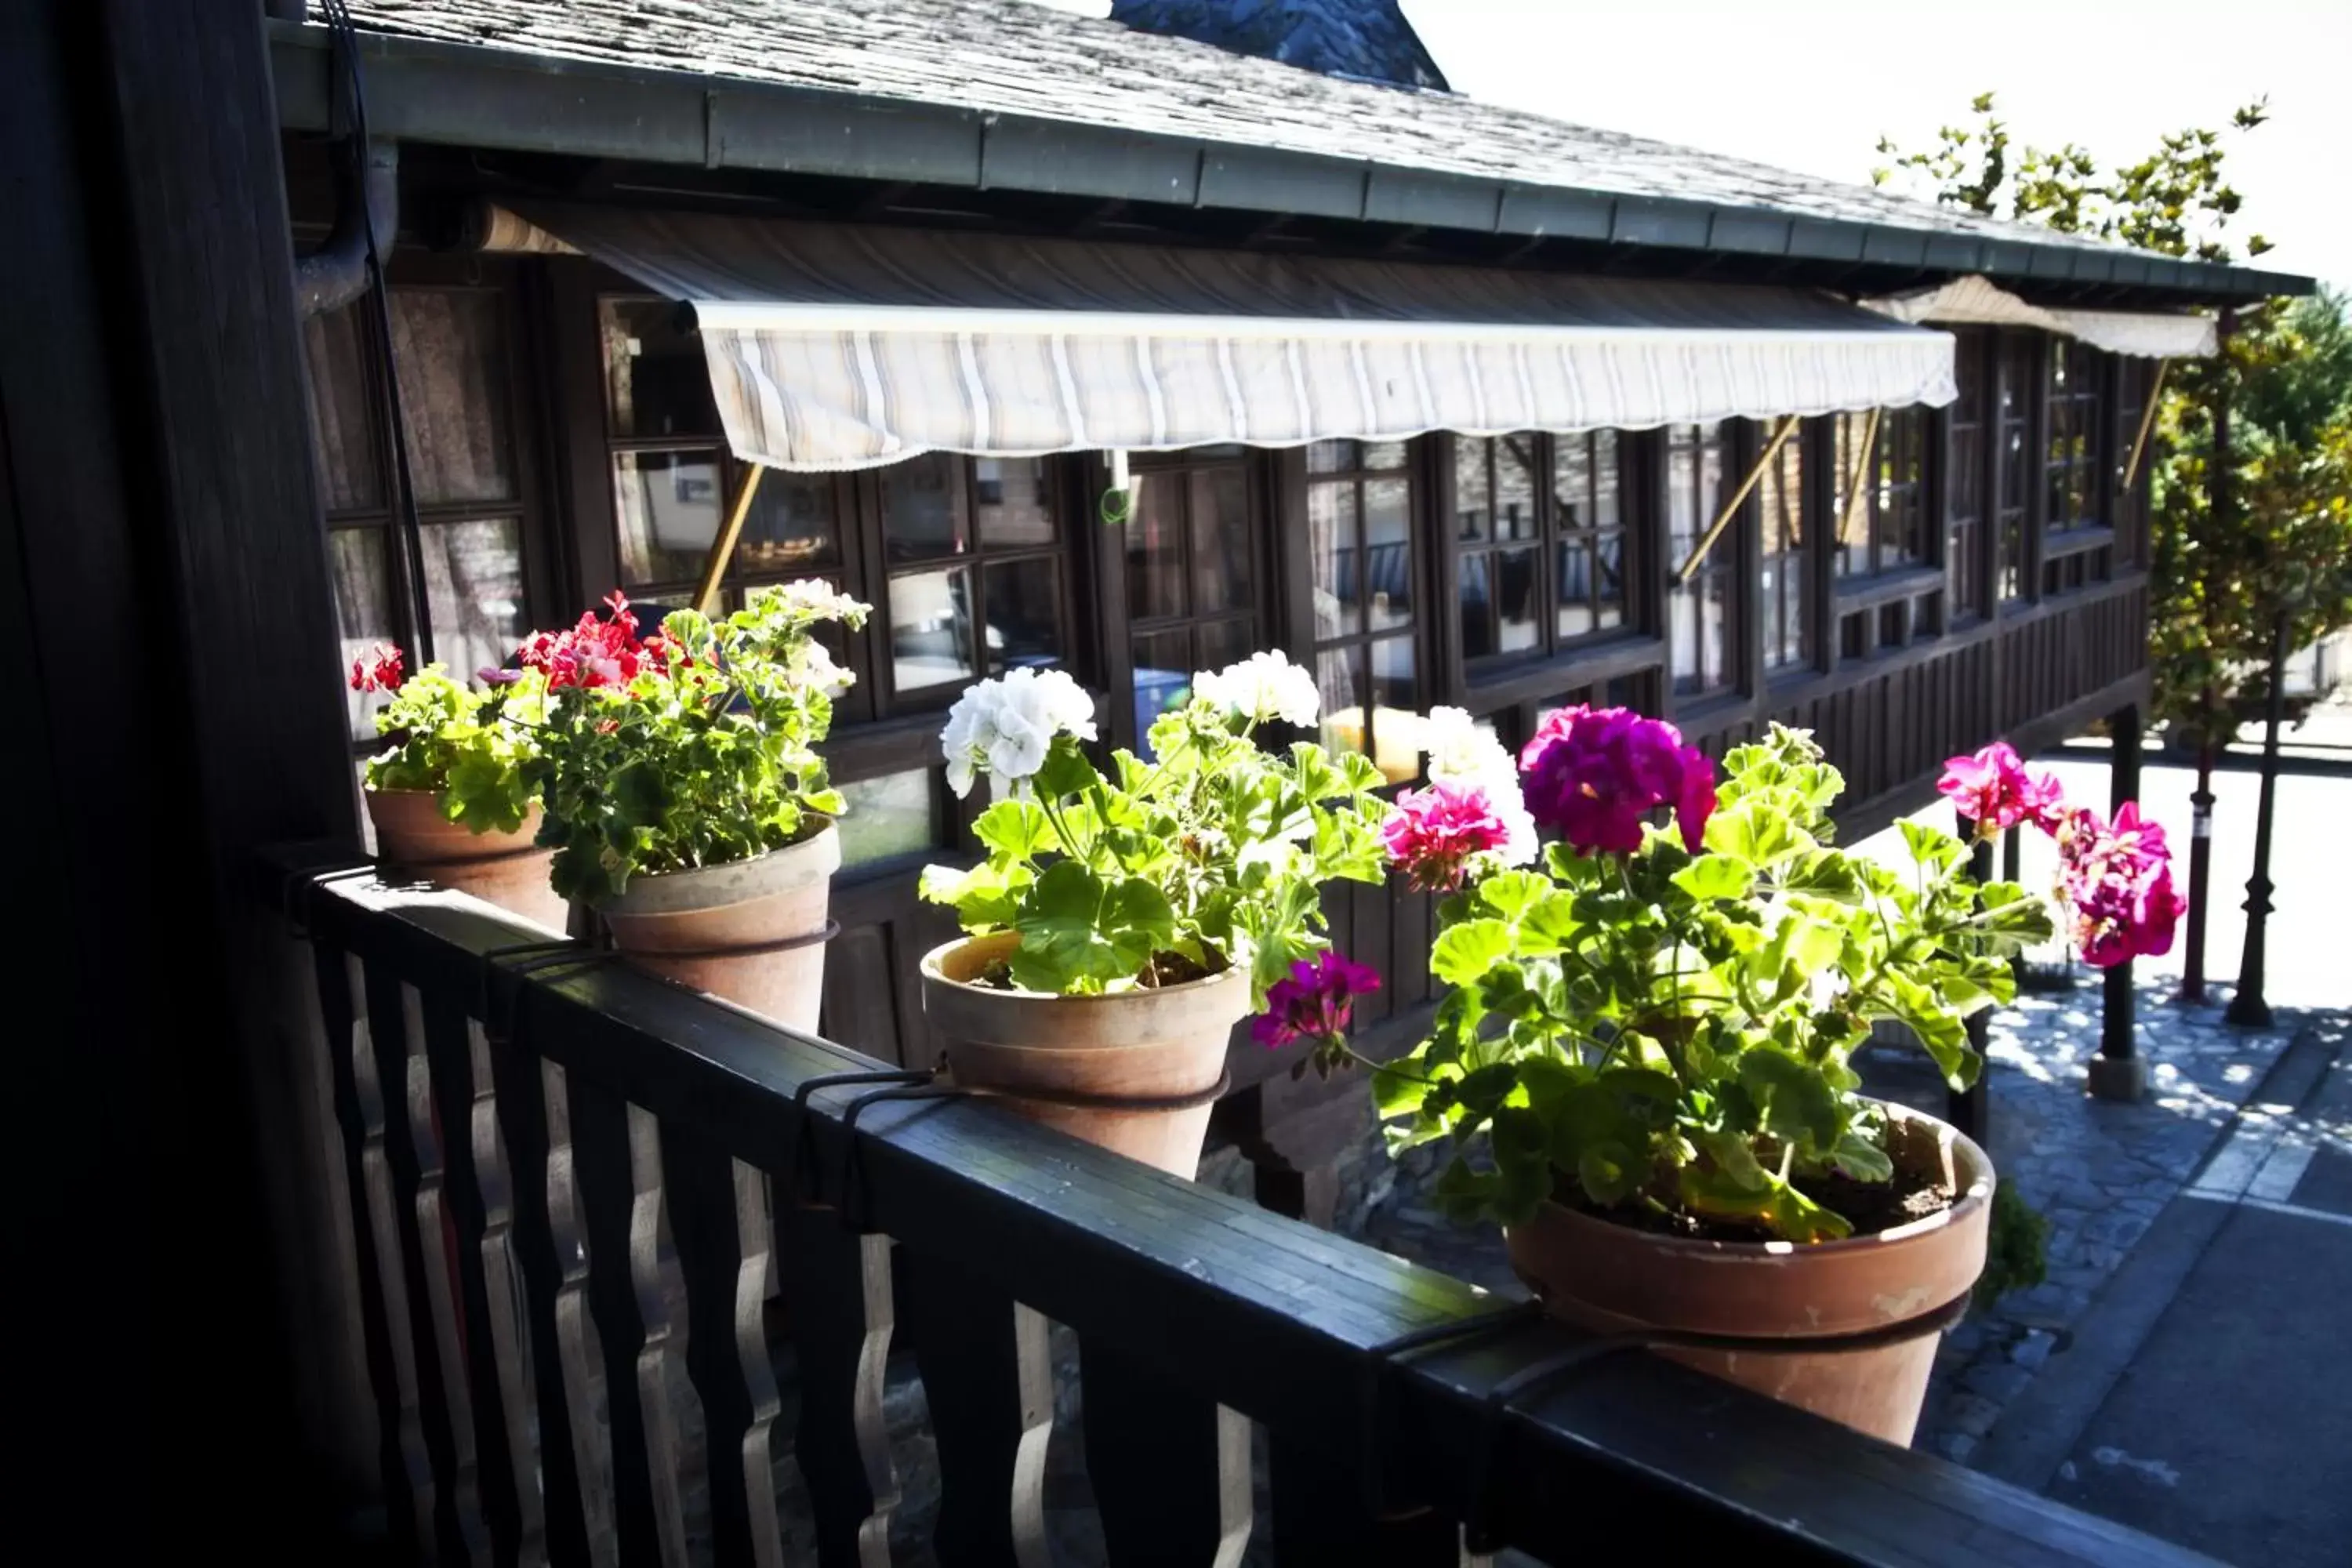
(1464, 755)
(1264, 686)
(816, 594)
(1006, 726)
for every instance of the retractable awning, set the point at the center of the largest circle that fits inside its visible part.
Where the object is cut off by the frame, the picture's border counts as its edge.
(1974, 302)
(836, 347)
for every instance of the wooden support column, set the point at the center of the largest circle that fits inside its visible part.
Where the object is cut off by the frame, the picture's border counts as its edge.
(2118, 1072)
(1967, 1109)
(165, 609)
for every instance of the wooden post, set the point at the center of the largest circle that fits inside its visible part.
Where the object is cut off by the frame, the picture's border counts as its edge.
(2118, 1072)
(165, 568)
(1966, 1108)
(2146, 424)
(722, 549)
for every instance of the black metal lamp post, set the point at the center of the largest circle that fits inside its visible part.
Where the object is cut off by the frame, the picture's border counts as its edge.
(2248, 1007)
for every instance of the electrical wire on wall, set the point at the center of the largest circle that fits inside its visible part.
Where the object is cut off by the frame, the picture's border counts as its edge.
(347, 50)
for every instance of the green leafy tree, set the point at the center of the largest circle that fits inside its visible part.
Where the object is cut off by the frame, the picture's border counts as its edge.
(2285, 383)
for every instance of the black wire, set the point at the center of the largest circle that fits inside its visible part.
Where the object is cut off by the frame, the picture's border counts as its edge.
(346, 37)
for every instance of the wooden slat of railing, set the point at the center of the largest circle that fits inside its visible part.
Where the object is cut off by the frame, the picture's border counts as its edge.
(438, 1246)
(504, 1382)
(391, 1353)
(837, 1291)
(989, 1384)
(1322, 1513)
(567, 1358)
(660, 1291)
(603, 1167)
(486, 1365)
(391, 1174)
(725, 1243)
(1170, 1468)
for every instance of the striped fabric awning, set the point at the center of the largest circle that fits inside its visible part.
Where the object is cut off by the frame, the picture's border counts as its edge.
(1977, 301)
(835, 347)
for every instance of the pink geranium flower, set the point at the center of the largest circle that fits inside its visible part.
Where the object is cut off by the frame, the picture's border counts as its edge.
(1594, 775)
(597, 651)
(2116, 879)
(1994, 789)
(1315, 1003)
(1433, 833)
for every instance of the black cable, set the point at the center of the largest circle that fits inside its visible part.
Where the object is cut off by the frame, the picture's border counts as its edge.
(347, 44)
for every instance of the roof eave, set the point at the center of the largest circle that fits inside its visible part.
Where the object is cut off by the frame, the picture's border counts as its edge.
(518, 100)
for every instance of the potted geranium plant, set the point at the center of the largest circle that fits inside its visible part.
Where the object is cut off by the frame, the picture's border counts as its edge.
(1642, 1064)
(448, 798)
(685, 798)
(1122, 923)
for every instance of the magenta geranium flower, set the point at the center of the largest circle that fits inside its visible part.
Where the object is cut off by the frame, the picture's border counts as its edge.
(1594, 775)
(1315, 1003)
(1434, 831)
(2117, 878)
(1994, 789)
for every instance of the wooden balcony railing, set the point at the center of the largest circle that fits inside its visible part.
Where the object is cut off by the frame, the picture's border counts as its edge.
(624, 1257)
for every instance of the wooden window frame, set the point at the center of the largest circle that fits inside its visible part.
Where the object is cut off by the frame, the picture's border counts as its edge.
(1431, 574)
(383, 518)
(1730, 560)
(1552, 534)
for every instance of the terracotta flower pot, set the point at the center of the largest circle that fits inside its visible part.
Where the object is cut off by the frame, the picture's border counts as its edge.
(753, 931)
(503, 868)
(1611, 1278)
(1083, 1063)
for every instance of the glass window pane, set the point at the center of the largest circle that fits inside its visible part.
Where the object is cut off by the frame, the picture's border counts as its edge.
(1576, 588)
(1682, 637)
(473, 585)
(1473, 502)
(922, 507)
(1332, 542)
(1516, 600)
(1396, 697)
(1476, 586)
(897, 813)
(1224, 643)
(1155, 555)
(1222, 577)
(342, 429)
(1014, 497)
(1715, 629)
(1023, 601)
(1163, 679)
(1388, 554)
(1682, 490)
(1515, 488)
(362, 612)
(657, 381)
(1340, 677)
(1571, 482)
(1604, 479)
(1333, 457)
(930, 628)
(666, 506)
(1609, 553)
(450, 344)
(1384, 456)
(790, 528)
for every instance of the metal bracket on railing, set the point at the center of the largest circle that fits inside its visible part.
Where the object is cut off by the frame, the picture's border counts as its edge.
(853, 1191)
(519, 961)
(1384, 1355)
(1478, 1538)
(807, 1186)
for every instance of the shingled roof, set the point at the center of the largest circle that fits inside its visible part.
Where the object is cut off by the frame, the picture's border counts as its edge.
(1122, 106)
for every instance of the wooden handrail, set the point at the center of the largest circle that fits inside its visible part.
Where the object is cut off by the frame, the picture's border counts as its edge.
(630, 1114)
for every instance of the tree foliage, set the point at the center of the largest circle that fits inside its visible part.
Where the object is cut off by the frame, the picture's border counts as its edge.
(2286, 382)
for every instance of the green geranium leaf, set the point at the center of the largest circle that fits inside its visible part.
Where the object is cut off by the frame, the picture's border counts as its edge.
(1510, 894)
(1469, 951)
(1862, 1160)
(1715, 876)
(1018, 829)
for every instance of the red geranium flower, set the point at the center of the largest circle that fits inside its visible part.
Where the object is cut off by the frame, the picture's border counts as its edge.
(2117, 882)
(596, 652)
(378, 670)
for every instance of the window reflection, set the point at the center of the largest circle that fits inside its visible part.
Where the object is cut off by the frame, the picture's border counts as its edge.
(930, 628)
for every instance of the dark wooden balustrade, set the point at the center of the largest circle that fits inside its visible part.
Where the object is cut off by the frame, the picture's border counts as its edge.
(594, 1214)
